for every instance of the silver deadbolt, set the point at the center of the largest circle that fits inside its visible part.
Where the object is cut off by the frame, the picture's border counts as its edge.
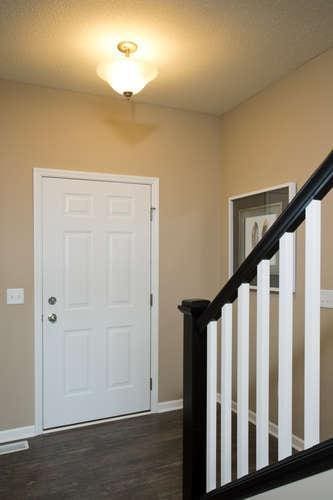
(52, 318)
(52, 301)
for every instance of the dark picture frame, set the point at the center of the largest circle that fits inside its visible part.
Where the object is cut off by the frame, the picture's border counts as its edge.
(250, 216)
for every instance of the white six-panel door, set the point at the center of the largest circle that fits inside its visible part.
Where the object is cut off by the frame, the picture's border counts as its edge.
(96, 264)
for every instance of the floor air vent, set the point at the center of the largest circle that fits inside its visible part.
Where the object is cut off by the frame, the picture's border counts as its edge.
(13, 447)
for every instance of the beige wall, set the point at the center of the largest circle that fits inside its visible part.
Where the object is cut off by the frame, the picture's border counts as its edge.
(57, 129)
(279, 136)
(316, 486)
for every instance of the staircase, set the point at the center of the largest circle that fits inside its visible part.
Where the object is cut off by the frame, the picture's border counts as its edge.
(200, 363)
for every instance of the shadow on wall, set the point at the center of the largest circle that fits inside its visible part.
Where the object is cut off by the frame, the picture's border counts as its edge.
(129, 129)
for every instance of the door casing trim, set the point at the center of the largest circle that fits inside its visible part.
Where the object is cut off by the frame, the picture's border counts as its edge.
(38, 175)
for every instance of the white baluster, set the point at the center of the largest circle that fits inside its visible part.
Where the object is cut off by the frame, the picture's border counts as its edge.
(312, 324)
(243, 380)
(286, 278)
(211, 405)
(226, 393)
(262, 432)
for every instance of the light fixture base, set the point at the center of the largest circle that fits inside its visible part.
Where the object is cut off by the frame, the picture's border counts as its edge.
(128, 94)
(127, 48)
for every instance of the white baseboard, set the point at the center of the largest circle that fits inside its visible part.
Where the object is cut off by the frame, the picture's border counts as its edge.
(297, 442)
(16, 434)
(165, 406)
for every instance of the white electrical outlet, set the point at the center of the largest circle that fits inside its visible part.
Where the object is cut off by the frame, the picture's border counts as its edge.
(326, 299)
(15, 296)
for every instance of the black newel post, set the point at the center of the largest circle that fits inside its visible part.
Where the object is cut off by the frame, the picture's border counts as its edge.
(195, 397)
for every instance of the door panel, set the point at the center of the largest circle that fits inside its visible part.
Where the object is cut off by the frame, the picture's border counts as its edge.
(119, 267)
(77, 352)
(118, 357)
(77, 269)
(96, 262)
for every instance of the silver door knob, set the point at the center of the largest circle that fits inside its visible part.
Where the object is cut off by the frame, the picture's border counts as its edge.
(52, 318)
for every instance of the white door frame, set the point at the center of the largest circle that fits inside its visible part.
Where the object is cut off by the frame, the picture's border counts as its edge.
(38, 175)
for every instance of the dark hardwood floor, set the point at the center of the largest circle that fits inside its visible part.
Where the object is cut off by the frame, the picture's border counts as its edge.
(138, 458)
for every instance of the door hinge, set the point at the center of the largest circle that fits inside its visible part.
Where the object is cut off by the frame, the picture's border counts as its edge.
(151, 300)
(152, 212)
(151, 384)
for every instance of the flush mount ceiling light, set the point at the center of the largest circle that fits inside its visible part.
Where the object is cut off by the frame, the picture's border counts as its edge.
(126, 74)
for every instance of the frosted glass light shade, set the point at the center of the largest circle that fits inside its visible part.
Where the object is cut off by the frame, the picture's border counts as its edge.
(127, 74)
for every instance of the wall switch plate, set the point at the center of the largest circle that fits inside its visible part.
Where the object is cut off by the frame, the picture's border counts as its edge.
(326, 299)
(15, 296)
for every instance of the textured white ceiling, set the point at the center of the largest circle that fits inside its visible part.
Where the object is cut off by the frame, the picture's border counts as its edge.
(211, 54)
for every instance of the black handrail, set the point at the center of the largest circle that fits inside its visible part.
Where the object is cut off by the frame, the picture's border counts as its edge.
(315, 188)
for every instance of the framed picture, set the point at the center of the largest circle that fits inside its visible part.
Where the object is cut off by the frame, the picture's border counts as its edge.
(250, 216)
